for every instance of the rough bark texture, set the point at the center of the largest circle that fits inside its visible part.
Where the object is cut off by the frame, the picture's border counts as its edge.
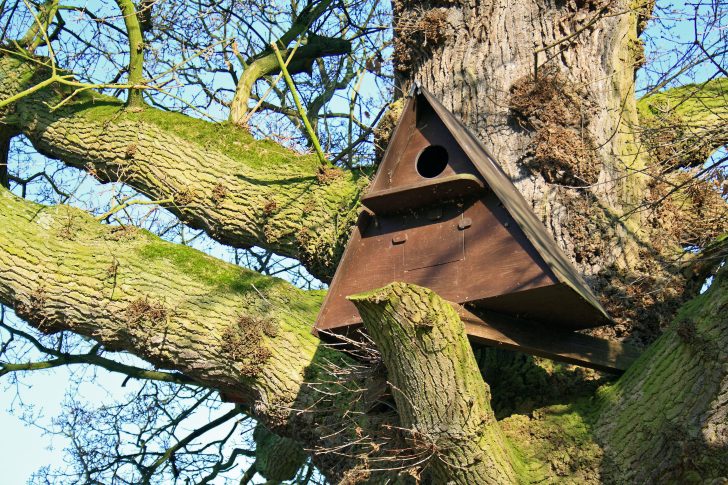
(441, 397)
(241, 191)
(568, 138)
(666, 419)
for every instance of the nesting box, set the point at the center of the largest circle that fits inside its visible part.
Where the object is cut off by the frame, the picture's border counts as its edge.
(442, 214)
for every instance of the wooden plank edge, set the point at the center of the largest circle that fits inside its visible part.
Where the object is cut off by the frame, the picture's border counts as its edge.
(502, 331)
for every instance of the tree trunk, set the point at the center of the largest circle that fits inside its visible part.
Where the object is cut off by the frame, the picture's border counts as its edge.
(566, 138)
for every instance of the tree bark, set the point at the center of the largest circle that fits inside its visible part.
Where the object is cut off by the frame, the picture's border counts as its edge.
(223, 326)
(239, 190)
(442, 401)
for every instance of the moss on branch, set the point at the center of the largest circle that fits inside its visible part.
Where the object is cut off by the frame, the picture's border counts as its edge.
(681, 127)
(220, 179)
(666, 419)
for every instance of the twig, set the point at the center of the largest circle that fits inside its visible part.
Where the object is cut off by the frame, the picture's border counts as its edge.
(299, 106)
(126, 204)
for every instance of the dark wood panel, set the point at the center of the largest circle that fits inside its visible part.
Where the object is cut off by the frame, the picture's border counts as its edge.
(532, 338)
(485, 261)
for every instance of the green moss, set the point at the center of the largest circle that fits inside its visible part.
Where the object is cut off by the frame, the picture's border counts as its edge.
(555, 444)
(206, 268)
(224, 137)
(694, 101)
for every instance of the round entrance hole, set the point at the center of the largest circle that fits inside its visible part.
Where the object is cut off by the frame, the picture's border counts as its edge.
(432, 161)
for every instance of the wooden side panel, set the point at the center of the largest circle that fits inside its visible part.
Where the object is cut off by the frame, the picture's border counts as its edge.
(497, 330)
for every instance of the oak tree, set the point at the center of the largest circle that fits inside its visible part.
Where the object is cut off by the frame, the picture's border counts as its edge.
(250, 126)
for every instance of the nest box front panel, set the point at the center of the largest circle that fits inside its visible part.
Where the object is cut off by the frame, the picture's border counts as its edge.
(422, 149)
(465, 250)
(438, 216)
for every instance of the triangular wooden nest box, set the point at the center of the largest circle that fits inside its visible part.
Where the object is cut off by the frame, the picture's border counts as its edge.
(442, 214)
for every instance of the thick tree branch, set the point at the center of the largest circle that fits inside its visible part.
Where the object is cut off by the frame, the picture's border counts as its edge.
(681, 127)
(239, 190)
(171, 305)
(437, 385)
(267, 64)
(666, 419)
